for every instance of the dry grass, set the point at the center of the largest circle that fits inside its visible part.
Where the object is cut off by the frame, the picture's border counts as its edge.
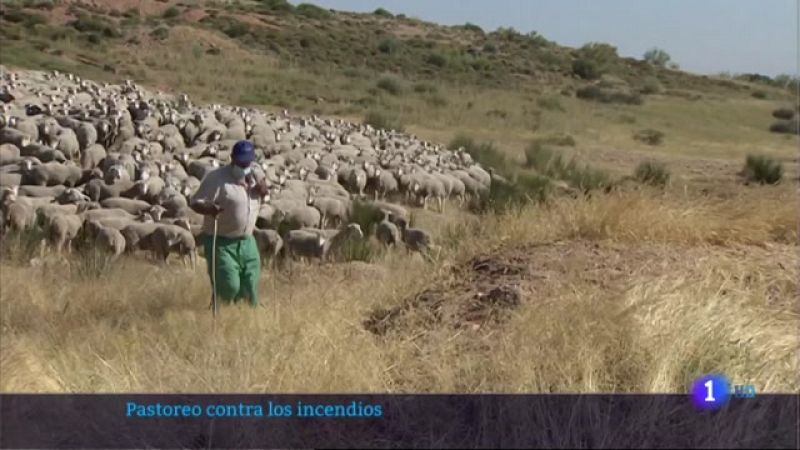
(711, 286)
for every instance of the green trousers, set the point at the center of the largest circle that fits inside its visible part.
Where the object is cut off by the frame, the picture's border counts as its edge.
(238, 267)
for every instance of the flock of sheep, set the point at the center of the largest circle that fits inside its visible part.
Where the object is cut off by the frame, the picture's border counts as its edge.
(116, 165)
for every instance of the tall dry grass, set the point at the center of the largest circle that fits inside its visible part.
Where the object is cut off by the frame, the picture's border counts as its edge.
(711, 285)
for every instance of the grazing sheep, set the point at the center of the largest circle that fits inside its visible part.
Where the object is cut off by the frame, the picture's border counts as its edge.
(105, 237)
(43, 153)
(269, 243)
(166, 239)
(304, 244)
(137, 236)
(9, 179)
(92, 156)
(18, 214)
(62, 229)
(415, 239)
(9, 154)
(14, 137)
(53, 173)
(67, 142)
(99, 190)
(333, 212)
(302, 216)
(387, 232)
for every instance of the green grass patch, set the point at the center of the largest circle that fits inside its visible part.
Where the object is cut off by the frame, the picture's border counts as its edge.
(762, 170)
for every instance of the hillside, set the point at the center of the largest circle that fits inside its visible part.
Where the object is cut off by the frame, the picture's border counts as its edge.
(607, 289)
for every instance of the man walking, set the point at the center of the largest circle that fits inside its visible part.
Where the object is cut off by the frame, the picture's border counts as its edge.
(230, 195)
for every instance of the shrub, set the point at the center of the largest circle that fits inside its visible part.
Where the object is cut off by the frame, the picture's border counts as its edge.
(484, 153)
(586, 69)
(551, 103)
(312, 11)
(436, 59)
(436, 101)
(512, 196)
(383, 13)
(786, 126)
(275, 6)
(650, 86)
(171, 12)
(93, 38)
(657, 57)
(560, 139)
(652, 173)
(489, 47)
(593, 60)
(389, 45)
(761, 95)
(390, 85)
(472, 27)
(606, 95)
(235, 29)
(538, 156)
(425, 88)
(649, 136)
(93, 24)
(783, 113)
(551, 162)
(382, 121)
(160, 33)
(762, 169)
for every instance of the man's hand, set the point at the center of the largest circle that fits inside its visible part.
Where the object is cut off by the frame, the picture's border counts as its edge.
(261, 188)
(206, 209)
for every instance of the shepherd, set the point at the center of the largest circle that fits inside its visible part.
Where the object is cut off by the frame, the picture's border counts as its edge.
(229, 197)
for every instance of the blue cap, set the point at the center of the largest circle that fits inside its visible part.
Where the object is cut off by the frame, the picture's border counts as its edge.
(243, 152)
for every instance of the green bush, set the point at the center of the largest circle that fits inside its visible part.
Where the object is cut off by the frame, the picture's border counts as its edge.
(391, 85)
(94, 24)
(762, 169)
(657, 57)
(593, 60)
(560, 139)
(513, 196)
(786, 126)
(380, 120)
(783, 113)
(171, 12)
(436, 101)
(436, 59)
(652, 173)
(160, 33)
(312, 11)
(472, 27)
(275, 6)
(235, 29)
(550, 162)
(425, 88)
(489, 48)
(586, 69)
(606, 95)
(759, 94)
(550, 103)
(649, 136)
(389, 45)
(383, 13)
(27, 19)
(650, 86)
(484, 153)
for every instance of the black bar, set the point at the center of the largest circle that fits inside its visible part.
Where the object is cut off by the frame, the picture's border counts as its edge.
(30, 421)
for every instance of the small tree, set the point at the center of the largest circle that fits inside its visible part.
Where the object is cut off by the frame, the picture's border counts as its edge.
(657, 57)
